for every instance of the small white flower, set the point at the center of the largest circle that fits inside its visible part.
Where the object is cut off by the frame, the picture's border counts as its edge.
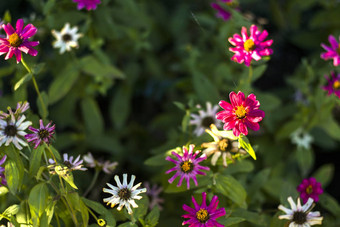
(70, 163)
(66, 38)
(301, 216)
(124, 194)
(12, 129)
(301, 139)
(204, 119)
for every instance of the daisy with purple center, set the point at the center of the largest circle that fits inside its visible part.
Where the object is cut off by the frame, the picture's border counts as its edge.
(2, 170)
(250, 47)
(203, 215)
(43, 134)
(333, 51)
(310, 188)
(17, 40)
(88, 4)
(333, 85)
(187, 166)
(241, 114)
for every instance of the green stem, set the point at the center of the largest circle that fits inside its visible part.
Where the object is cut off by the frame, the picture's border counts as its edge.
(35, 86)
(94, 179)
(250, 74)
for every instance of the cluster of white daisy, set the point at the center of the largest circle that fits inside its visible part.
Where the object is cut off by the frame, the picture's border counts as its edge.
(67, 38)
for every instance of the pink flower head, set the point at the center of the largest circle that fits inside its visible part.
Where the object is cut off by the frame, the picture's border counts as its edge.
(88, 4)
(203, 215)
(310, 188)
(43, 134)
(221, 12)
(333, 85)
(333, 51)
(17, 40)
(187, 166)
(241, 113)
(250, 47)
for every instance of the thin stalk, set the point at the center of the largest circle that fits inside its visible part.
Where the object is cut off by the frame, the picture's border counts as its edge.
(250, 74)
(94, 179)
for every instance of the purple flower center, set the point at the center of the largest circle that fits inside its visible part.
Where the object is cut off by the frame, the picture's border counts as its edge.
(43, 133)
(207, 121)
(240, 112)
(249, 45)
(299, 217)
(309, 189)
(66, 38)
(187, 166)
(14, 40)
(223, 144)
(124, 194)
(336, 85)
(10, 130)
(202, 215)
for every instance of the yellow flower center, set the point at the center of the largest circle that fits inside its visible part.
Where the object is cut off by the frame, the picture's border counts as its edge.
(240, 112)
(336, 85)
(309, 189)
(249, 45)
(187, 166)
(14, 40)
(202, 215)
(101, 222)
(223, 144)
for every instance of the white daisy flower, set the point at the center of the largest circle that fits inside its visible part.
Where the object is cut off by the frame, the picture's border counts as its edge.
(66, 38)
(124, 194)
(204, 119)
(301, 216)
(12, 129)
(301, 139)
(71, 164)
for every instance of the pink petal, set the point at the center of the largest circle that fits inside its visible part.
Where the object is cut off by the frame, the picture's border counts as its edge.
(19, 26)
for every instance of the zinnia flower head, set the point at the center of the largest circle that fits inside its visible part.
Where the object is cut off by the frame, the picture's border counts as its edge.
(333, 85)
(67, 38)
(203, 215)
(21, 108)
(333, 51)
(88, 4)
(204, 119)
(17, 40)
(42, 134)
(301, 216)
(241, 113)
(2, 170)
(124, 194)
(250, 47)
(187, 166)
(310, 188)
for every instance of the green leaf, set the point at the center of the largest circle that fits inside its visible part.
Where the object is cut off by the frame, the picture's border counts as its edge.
(152, 218)
(100, 209)
(63, 83)
(205, 90)
(93, 67)
(242, 166)
(230, 221)
(324, 174)
(35, 160)
(231, 188)
(128, 224)
(12, 175)
(305, 159)
(142, 209)
(7, 17)
(120, 106)
(48, 214)
(10, 211)
(3, 190)
(38, 199)
(250, 216)
(330, 203)
(245, 144)
(65, 173)
(258, 71)
(43, 111)
(93, 119)
(23, 80)
(258, 181)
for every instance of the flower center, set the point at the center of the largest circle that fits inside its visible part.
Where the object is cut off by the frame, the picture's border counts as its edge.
(66, 38)
(68, 164)
(249, 45)
(43, 133)
(202, 215)
(124, 194)
(240, 112)
(207, 121)
(187, 166)
(14, 40)
(223, 144)
(10, 130)
(309, 189)
(336, 85)
(299, 217)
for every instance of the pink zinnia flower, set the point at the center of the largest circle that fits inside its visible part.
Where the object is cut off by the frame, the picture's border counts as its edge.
(88, 4)
(221, 12)
(333, 85)
(310, 188)
(187, 166)
(17, 40)
(203, 215)
(333, 51)
(241, 113)
(43, 134)
(250, 47)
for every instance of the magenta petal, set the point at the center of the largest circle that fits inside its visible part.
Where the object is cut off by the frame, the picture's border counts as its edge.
(19, 26)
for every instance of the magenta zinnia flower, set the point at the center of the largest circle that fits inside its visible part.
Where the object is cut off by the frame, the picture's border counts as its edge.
(88, 4)
(17, 40)
(203, 215)
(187, 166)
(221, 12)
(250, 47)
(333, 85)
(2, 170)
(241, 113)
(333, 51)
(43, 134)
(310, 188)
